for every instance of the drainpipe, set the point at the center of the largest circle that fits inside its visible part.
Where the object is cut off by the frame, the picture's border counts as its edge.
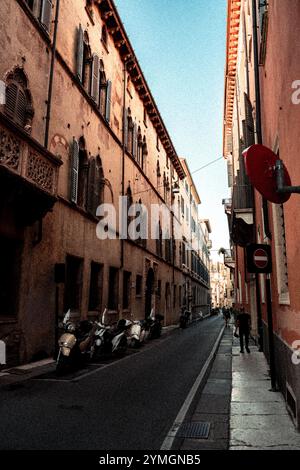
(50, 88)
(265, 204)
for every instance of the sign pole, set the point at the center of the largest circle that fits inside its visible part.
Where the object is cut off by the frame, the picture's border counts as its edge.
(270, 334)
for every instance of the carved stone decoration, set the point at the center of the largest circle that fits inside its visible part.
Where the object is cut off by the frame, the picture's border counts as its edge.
(40, 172)
(9, 150)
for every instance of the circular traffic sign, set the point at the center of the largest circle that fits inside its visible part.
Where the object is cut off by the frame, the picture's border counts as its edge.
(260, 167)
(260, 258)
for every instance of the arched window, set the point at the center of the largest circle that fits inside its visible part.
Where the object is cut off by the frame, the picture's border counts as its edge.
(18, 103)
(84, 59)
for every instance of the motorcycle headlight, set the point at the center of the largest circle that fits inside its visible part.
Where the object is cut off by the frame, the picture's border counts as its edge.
(71, 328)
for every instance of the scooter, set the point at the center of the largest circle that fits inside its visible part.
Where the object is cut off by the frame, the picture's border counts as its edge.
(154, 325)
(109, 339)
(136, 334)
(184, 318)
(75, 344)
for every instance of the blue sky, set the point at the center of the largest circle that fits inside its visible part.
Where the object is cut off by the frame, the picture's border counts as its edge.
(180, 45)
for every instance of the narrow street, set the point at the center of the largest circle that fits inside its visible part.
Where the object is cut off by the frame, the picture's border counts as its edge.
(129, 404)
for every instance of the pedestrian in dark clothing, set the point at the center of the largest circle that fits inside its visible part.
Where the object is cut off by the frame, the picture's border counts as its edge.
(244, 324)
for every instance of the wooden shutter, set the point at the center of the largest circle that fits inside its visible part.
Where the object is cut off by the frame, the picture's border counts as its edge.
(95, 78)
(125, 126)
(91, 187)
(74, 171)
(134, 141)
(46, 14)
(108, 101)
(79, 57)
(11, 99)
(249, 123)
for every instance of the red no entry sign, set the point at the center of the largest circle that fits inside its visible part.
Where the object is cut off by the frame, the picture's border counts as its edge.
(260, 258)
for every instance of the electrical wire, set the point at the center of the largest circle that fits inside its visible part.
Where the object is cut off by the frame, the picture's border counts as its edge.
(192, 172)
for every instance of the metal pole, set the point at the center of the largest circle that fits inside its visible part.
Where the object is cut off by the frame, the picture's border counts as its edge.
(56, 321)
(50, 88)
(271, 337)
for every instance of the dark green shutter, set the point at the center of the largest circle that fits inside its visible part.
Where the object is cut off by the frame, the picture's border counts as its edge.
(108, 101)
(79, 57)
(95, 78)
(125, 128)
(91, 187)
(74, 171)
(134, 141)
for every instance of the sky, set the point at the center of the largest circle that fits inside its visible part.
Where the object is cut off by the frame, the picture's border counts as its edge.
(180, 45)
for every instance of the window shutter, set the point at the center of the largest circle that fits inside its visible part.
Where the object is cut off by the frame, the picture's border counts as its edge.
(91, 187)
(21, 108)
(126, 128)
(249, 124)
(80, 48)
(74, 171)
(46, 14)
(11, 99)
(134, 144)
(95, 78)
(108, 101)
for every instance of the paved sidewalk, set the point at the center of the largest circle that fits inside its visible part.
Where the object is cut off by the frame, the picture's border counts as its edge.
(258, 417)
(214, 404)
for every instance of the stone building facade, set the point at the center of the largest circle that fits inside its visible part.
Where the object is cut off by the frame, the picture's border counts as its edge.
(79, 127)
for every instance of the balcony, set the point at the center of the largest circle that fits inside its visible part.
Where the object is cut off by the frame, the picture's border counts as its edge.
(28, 173)
(229, 260)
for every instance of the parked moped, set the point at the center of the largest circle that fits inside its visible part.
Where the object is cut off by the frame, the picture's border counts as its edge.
(75, 344)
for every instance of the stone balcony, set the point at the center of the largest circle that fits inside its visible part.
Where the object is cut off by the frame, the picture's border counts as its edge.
(28, 172)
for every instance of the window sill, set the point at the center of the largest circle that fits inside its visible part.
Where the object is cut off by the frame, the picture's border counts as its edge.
(7, 320)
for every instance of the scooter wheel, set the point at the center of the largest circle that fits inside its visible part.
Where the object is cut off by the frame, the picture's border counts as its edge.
(122, 347)
(62, 365)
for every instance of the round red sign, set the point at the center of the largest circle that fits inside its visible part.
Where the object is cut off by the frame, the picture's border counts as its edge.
(260, 258)
(260, 167)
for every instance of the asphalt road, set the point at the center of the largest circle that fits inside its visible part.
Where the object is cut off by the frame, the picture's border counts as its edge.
(126, 405)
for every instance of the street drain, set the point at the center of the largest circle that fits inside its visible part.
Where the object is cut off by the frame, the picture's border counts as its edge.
(194, 430)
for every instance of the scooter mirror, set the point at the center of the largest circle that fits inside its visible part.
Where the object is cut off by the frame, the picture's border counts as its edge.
(104, 316)
(67, 317)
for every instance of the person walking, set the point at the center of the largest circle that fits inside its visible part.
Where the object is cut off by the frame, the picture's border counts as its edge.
(243, 323)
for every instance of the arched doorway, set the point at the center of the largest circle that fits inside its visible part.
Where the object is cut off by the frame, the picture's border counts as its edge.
(149, 291)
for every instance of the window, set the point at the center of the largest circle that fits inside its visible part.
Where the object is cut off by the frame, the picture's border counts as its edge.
(42, 9)
(73, 284)
(145, 117)
(104, 35)
(96, 280)
(113, 287)
(10, 255)
(18, 103)
(87, 66)
(159, 240)
(174, 295)
(96, 182)
(126, 289)
(157, 142)
(281, 254)
(182, 206)
(158, 291)
(138, 285)
(144, 154)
